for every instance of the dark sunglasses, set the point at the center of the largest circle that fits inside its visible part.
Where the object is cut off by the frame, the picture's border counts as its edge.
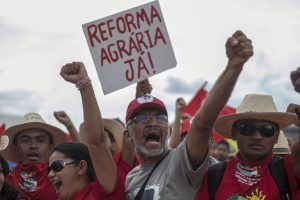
(143, 119)
(58, 165)
(249, 129)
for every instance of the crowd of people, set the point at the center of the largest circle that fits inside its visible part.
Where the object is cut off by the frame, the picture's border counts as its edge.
(148, 158)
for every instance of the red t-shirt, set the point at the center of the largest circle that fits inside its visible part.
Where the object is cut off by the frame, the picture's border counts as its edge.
(95, 191)
(249, 181)
(123, 167)
(32, 181)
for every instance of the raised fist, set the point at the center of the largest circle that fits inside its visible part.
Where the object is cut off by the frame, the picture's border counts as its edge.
(294, 108)
(238, 49)
(180, 105)
(143, 87)
(62, 117)
(295, 78)
(73, 72)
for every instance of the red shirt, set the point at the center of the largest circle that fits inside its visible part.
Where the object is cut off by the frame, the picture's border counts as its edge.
(32, 181)
(123, 167)
(249, 181)
(95, 191)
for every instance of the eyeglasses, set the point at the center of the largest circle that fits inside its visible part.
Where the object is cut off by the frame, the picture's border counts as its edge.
(58, 165)
(249, 129)
(143, 119)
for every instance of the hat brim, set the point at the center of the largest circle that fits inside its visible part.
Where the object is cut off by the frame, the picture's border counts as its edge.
(58, 136)
(116, 129)
(223, 125)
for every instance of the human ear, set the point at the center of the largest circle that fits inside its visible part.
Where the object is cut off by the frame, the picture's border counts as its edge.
(82, 167)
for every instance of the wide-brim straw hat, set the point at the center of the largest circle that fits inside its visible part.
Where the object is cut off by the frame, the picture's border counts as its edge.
(31, 121)
(116, 129)
(4, 141)
(254, 106)
(282, 146)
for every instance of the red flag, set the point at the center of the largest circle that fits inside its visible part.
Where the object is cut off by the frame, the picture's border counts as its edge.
(193, 106)
(196, 102)
(2, 129)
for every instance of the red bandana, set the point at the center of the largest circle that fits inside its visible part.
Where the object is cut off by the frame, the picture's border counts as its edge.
(249, 174)
(32, 180)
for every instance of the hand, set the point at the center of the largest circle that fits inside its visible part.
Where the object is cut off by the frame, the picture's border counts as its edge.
(73, 72)
(294, 108)
(238, 49)
(180, 105)
(143, 87)
(295, 78)
(62, 117)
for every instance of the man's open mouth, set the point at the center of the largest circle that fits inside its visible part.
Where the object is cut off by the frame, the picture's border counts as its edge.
(152, 140)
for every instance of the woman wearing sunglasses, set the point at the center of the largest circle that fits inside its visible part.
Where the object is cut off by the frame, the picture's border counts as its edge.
(85, 172)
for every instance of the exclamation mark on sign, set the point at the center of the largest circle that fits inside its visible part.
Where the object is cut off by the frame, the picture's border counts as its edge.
(151, 62)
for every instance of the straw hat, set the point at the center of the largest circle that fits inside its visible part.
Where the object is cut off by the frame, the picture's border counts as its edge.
(282, 146)
(254, 106)
(31, 121)
(4, 141)
(116, 129)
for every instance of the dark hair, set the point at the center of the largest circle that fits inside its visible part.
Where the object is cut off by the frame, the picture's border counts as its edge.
(77, 151)
(16, 136)
(7, 192)
(224, 142)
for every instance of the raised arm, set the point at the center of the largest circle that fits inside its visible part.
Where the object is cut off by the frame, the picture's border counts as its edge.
(92, 132)
(64, 118)
(295, 77)
(239, 50)
(143, 87)
(175, 137)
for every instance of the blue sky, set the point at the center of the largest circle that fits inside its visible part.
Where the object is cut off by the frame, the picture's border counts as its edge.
(38, 37)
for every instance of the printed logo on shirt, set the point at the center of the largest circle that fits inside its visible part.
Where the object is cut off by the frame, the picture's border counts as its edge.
(255, 195)
(28, 182)
(151, 192)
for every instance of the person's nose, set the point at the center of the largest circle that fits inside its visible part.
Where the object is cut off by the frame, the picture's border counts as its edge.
(33, 144)
(152, 121)
(257, 135)
(51, 175)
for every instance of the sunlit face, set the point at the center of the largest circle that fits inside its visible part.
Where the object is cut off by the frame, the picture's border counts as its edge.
(65, 181)
(32, 145)
(255, 147)
(2, 178)
(150, 138)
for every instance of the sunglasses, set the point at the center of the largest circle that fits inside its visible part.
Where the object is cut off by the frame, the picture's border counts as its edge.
(143, 119)
(249, 129)
(58, 165)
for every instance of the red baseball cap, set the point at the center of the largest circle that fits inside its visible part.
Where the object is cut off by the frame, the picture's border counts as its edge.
(146, 101)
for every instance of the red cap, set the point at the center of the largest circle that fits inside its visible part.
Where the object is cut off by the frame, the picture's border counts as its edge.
(146, 101)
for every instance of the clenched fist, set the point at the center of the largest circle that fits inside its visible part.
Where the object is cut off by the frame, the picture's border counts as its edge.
(295, 78)
(73, 72)
(238, 49)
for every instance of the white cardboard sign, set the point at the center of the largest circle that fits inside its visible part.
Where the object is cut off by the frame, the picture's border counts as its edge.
(129, 46)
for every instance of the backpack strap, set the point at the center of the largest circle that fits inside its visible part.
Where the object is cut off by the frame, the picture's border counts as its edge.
(215, 174)
(280, 177)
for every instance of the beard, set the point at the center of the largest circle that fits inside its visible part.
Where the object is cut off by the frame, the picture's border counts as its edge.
(150, 153)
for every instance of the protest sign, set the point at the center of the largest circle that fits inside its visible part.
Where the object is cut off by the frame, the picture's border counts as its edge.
(129, 46)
